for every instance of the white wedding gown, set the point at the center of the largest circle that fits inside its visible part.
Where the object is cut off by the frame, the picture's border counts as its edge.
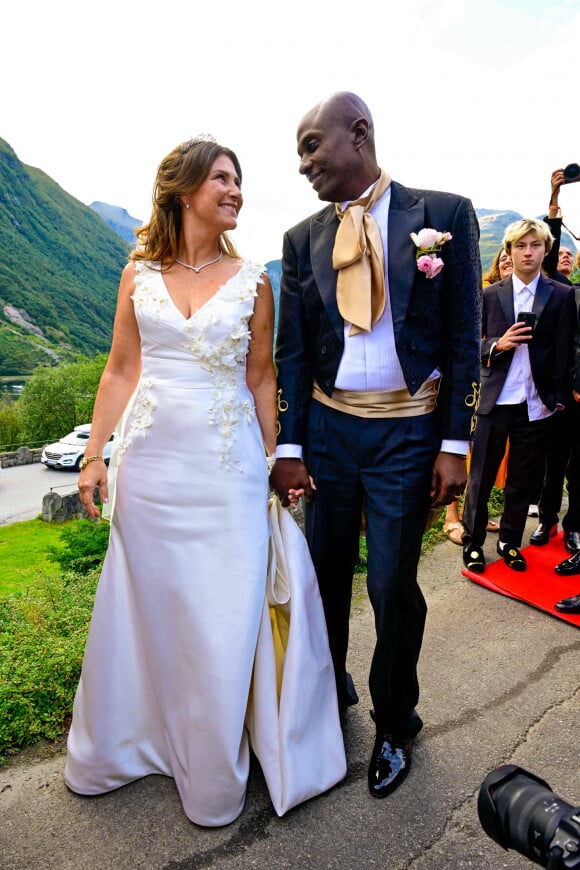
(180, 605)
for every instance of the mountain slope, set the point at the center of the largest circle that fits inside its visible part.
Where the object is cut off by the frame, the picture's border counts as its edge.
(59, 271)
(118, 219)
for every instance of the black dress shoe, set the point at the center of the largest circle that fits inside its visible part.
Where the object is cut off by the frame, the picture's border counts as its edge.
(511, 556)
(543, 534)
(473, 559)
(572, 541)
(390, 763)
(569, 605)
(569, 566)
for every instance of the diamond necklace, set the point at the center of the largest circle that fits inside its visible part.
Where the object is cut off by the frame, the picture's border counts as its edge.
(197, 269)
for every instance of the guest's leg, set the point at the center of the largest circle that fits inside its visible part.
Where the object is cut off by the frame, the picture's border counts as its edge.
(571, 522)
(557, 456)
(526, 462)
(487, 452)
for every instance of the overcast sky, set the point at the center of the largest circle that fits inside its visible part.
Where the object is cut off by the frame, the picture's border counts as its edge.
(479, 97)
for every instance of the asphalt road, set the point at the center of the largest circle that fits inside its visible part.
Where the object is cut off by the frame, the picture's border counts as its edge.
(500, 684)
(23, 487)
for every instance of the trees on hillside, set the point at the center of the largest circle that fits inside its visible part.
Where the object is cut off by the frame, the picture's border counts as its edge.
(53, 402)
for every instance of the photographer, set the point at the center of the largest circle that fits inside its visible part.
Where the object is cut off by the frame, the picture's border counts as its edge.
(563, 456)
(551, 264)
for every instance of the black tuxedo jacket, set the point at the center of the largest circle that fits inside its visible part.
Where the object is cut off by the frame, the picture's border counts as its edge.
(436, 321)
(577, 357)
(550, 348)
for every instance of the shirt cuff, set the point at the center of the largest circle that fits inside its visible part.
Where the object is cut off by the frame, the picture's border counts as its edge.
(458, 447)
(289, 451)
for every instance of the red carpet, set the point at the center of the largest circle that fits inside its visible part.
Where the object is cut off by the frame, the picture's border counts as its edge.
(539, 586)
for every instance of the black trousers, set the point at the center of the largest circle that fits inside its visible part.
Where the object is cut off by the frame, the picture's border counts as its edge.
(563, 461)
(525, 470)
(387, 463)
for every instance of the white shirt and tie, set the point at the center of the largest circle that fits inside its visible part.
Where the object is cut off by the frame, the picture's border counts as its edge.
(519, 384)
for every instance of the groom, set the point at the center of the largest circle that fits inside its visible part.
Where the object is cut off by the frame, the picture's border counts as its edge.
(378, 362)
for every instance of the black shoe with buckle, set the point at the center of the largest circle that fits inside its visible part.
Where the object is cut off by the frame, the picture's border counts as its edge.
(543, 534)
(473, 559)
(511, 556)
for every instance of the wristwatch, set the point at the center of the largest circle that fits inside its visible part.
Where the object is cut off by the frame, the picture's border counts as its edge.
(86, 459)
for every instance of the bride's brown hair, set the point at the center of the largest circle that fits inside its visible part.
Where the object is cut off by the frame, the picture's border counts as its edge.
(181, 172)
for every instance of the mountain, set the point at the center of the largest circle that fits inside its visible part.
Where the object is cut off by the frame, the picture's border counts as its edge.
(59, 271)
(118, 219)
(274, 270)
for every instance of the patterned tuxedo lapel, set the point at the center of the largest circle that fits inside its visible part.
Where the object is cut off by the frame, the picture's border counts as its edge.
(406, 216)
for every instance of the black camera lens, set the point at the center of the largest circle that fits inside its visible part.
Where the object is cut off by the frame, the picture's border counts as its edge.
(520, 811)
(571, 173)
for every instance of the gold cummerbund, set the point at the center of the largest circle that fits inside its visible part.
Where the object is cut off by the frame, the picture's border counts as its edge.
(390, 403)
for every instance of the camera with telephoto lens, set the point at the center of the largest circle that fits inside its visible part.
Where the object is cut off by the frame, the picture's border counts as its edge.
(571, 173)
(520, 811)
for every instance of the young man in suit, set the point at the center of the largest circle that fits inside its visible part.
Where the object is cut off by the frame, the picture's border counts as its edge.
(527, 325)
(377, 356)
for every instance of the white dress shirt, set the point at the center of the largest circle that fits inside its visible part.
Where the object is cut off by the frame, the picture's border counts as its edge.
(519, 384)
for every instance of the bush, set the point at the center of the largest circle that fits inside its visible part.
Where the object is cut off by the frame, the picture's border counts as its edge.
(42, 638)
(85, 545)
(9, 424)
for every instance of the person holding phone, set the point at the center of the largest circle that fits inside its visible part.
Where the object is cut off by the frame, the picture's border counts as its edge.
(526, 352)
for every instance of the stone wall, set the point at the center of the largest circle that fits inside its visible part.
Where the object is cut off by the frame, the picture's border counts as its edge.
(60, 508)
(22, 456)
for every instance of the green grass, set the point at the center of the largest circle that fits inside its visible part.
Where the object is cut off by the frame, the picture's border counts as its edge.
(25, 553)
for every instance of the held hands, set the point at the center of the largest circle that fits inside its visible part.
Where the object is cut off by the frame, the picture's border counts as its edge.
(448, 478)
(92, 476)
(290, 479)
(518, 333)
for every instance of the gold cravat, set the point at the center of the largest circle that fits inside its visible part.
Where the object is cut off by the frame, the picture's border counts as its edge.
(359, 258)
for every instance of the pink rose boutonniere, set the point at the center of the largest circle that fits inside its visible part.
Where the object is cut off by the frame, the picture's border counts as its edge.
(429, 242)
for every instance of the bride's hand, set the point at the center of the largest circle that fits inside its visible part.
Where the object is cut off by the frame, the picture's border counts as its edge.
(295, 494)
(93, 476)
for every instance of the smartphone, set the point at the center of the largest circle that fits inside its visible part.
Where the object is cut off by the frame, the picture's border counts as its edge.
(527, 317)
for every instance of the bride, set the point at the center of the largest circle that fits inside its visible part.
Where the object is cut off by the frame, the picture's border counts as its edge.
(168, 683)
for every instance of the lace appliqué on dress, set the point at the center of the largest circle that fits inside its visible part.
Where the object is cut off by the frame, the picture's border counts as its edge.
(141, 415)
(225, 359)
(149, 292)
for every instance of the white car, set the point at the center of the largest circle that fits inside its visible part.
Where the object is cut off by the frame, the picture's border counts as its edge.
(68, 452)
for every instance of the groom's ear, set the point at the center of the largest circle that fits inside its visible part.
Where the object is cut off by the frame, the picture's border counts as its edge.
(359, 131)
